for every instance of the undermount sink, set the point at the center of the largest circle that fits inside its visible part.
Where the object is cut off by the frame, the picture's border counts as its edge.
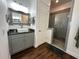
(20, 30)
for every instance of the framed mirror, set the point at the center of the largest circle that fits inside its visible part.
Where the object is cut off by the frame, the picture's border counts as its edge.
(18, 17)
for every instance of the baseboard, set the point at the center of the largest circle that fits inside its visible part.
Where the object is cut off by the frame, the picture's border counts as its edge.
(73, 54)
(36, 46)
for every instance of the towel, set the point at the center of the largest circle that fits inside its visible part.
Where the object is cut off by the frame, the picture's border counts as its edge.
(77, 39)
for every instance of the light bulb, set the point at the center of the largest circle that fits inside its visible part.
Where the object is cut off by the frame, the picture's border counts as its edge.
(57, 1)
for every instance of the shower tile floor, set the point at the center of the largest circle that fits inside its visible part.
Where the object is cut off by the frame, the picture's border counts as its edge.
(59, 43)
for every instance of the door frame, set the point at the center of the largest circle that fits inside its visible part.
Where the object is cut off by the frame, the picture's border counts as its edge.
(68, 28)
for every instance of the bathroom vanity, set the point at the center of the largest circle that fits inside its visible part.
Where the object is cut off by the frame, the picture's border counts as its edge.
(20, 41)
(20, 34)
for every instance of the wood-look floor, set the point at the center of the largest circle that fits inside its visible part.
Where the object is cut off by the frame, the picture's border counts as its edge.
(42, 52)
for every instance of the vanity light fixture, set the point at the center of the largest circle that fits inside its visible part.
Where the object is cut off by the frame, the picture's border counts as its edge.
(18, 7)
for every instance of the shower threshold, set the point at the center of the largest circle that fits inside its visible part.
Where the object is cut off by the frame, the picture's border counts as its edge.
(59, 44)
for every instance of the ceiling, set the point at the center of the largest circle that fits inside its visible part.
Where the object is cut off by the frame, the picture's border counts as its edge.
(27, 3)
(54, 4)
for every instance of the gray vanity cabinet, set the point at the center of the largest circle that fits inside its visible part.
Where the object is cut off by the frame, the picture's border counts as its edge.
(17, 45)
(20, 42)
(30, 41)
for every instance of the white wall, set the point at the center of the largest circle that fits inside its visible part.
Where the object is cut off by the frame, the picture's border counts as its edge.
(4, 48)
(33, 11)
(42, 20)
(74, 25)
(33, 8)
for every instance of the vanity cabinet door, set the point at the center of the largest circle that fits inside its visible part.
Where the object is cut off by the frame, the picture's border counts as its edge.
(17, 45)
(29, 40)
